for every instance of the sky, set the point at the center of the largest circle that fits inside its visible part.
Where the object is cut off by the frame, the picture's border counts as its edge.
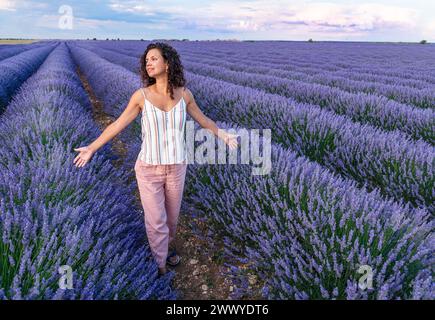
(332, 20)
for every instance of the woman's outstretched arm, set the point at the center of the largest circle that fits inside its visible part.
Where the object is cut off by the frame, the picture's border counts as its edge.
(128, 115)
(206, 123)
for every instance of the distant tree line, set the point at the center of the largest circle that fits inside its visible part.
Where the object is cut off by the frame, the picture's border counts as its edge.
(118, 39)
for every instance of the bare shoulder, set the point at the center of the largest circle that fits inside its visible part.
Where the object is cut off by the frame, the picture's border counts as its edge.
(138, 94)
(187, 95)
(138, 97)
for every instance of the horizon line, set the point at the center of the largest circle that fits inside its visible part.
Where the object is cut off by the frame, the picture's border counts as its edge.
(217, 39)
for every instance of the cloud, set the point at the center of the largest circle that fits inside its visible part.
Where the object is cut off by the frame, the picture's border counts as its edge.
(84, 24)
(273, 15)
(132, 7)
(428, 31)
(162, 7)
(250, 19)
(7, 5)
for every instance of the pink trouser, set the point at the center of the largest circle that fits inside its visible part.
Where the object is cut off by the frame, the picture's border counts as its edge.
(161, 191)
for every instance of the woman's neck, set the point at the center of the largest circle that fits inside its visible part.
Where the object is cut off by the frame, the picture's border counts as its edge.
(161, 85)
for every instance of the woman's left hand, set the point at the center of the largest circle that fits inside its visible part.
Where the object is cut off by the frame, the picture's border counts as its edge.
(84, 156)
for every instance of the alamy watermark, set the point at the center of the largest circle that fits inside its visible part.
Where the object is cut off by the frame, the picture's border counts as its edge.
(366, 280)
(66, 278)
(254, 148)
(66, 20)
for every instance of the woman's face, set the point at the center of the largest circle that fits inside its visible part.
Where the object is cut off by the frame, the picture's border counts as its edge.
(155, 64)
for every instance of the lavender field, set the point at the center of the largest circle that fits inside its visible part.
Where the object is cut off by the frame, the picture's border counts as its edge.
(351, 185)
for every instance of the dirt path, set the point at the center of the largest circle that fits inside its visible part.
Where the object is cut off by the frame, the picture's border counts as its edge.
(200, 275)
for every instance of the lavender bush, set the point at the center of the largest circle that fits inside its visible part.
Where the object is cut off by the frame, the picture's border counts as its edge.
(15, 70)
(55, 214)
(393, 61)
(423, 98)
(7, 51)
(306, 232)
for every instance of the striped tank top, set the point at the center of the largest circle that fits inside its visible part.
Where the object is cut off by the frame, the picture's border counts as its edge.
(163, 133)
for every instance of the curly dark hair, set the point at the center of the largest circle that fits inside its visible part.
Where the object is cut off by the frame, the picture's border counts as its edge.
(175, 70)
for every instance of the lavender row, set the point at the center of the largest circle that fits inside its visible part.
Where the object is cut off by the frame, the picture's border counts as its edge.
(55, 214)
(414, 59)
(305, 233)
(287, 58)
(341, 57)
(9, 51)
(360, 107)
(202, 180)
(364, 108)
(301, 72)
(15, 70)
(399, 167)
(420, 98)
(114, 93)
(311, 70)
(418, 84)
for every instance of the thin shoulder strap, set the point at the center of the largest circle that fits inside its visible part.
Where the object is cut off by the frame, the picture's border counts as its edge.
(144, 95)
(182, 94)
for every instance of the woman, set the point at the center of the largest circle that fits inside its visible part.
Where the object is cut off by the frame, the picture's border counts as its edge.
(161, 164)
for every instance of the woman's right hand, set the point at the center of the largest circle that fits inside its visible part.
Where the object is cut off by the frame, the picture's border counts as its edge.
(84, 156)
